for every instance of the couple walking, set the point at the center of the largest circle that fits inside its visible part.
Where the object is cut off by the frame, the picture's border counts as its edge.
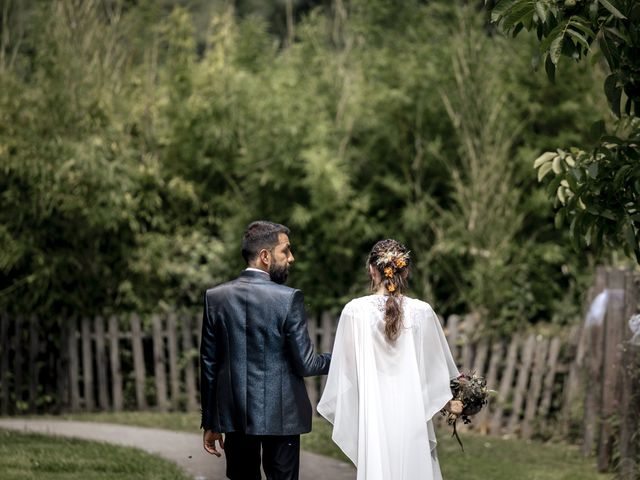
(388, 376)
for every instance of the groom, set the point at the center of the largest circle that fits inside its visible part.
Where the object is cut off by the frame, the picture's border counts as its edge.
(254, 354)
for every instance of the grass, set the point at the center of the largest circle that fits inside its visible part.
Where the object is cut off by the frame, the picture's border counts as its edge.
(26, 456)
(484, 457)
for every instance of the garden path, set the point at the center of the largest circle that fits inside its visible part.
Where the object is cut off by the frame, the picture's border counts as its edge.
(184, 449)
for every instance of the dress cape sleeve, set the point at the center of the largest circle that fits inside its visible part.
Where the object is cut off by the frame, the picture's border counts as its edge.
(339, 402)
(436, 364)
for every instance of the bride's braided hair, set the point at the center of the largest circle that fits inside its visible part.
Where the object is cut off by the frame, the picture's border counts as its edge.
(391, 259)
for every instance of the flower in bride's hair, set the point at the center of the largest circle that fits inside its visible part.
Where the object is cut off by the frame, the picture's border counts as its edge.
(391, 287)
(401, 263)
(388, 272)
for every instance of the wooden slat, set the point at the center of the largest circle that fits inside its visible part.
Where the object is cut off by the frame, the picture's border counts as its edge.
(18, 365)
(101, 364)
(613, 332)
(199, 320)
(312, 382)
(521, 383)
(172, 344)
(33, 363)
(506, 383)
(453, 337)
(74, 364)
(629, 409)
(188, 351)
(481, 357)
(114, 360)
(4, 364)
(592, 388)
(593, 374)
(87, 365)
(576, 346)
(138, 362)
(481, 420)
(535, 388)
(470, 321)
(552, 367)
(326, 342)
(159, 364)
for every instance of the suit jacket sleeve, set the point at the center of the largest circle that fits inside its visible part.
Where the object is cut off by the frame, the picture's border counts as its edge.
(304, 360)
(208, 367)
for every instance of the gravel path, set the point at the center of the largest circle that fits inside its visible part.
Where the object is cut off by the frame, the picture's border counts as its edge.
(185, 449)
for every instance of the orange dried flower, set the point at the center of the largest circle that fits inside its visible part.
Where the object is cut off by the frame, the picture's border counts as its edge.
(391, 287)
(388, 272)
(400, 263)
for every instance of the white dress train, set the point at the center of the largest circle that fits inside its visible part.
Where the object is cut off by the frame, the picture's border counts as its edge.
(380, 396)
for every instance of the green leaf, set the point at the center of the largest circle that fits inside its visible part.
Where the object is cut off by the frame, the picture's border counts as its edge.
(596, 130)
(544, 169)
(616, 13)
(582, 25)
(609, 50)
(541, 11)
(544, 158)
(555, 49)
(630, 236)
(522, 13)
(579, 38)
(501, 8)
(613, 93)
(550, 68)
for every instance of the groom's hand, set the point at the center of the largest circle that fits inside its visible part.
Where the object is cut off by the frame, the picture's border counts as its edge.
(209, 440)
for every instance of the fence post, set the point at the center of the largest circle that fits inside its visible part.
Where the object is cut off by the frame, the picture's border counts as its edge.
(613, 336)
(114, 358)
(311, 382)
(74, 363)
(189, 374)
(159, 364)
(17, 367)
(552, 366)
(593, 385)
(138, 362)
(452, 336)
(33, 363)
(505, 385)
(4, 364)
(174, 378)
(630, 391)
(87, 365)
(522, 382)
(101, 364)
(497, 350)
(535, 387)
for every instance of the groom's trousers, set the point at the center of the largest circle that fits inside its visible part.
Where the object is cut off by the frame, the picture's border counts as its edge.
(280, 455)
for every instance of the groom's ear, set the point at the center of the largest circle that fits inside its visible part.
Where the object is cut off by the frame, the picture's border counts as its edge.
(264, 257)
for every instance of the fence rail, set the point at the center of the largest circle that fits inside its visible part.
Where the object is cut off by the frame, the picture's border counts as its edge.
(577, 379)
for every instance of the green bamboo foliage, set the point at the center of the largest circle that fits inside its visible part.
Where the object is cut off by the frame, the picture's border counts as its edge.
(138, 139)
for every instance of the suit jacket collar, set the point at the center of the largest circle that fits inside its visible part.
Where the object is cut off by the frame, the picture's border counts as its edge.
(251, 275)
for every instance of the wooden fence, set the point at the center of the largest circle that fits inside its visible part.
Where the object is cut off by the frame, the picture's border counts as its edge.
(605, 376)
(547, 385)
(99, 364)
(127, 363)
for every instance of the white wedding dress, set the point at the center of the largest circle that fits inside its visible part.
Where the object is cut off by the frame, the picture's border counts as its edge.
(380, 396)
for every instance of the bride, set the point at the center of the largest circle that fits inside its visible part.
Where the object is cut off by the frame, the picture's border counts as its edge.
(389, 376)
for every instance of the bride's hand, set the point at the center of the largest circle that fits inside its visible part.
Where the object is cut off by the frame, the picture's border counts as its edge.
(455, 407)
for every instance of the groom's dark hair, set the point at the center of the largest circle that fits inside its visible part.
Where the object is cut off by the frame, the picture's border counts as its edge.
(258, 235)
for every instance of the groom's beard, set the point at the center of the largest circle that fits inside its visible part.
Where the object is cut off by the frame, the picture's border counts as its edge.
(279, 273)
